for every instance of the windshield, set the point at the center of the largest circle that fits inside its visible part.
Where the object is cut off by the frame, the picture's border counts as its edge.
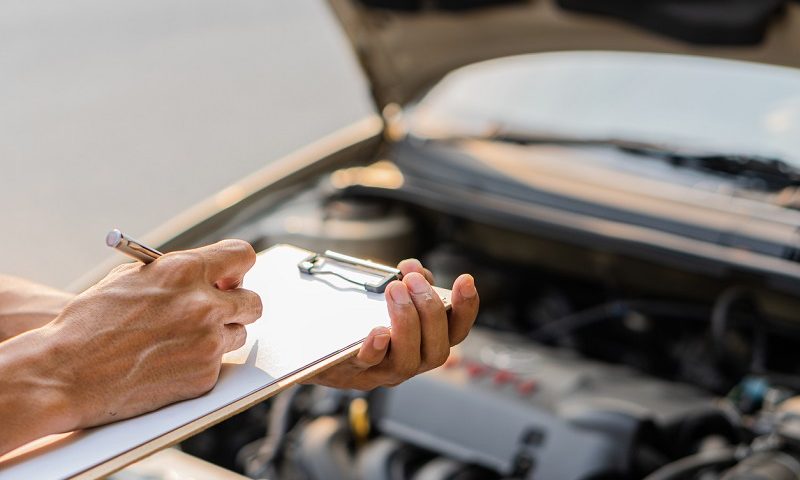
(702, 103)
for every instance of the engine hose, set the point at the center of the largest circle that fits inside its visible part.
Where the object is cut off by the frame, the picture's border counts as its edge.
(384, 458)
(257, 462)
(439, 469)
(685, 467)
(766, 466)
(323, 450)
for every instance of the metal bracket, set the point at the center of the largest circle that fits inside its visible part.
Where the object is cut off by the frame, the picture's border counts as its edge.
(313, 265)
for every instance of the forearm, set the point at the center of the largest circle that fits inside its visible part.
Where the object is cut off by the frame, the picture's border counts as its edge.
(34, 401)
(25, 305)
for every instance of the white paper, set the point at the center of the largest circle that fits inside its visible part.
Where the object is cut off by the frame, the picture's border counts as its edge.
(305, 320)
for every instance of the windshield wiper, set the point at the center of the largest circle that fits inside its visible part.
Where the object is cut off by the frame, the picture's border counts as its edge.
(772, 173)
(758, 171)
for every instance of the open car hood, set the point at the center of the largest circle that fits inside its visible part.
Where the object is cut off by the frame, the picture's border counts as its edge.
(403, 53)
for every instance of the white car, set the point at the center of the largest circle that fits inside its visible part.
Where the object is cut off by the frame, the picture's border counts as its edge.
(645, 188)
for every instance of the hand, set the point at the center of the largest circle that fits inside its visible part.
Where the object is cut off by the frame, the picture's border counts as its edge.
(144, 337)
(421, 334)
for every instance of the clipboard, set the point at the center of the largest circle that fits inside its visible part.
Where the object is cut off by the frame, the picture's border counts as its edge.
(317, 312)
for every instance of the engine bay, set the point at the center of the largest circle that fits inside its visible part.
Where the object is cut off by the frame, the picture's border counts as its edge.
(584, 363)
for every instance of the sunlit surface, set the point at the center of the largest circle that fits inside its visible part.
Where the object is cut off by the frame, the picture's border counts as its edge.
(690, 102)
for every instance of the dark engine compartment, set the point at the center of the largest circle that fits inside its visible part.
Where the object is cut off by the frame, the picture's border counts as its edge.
(584, 364)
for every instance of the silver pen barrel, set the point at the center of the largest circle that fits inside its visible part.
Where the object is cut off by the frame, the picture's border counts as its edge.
(131, 247)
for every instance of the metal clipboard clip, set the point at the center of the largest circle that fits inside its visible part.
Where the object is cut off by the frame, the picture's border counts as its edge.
(373, 277)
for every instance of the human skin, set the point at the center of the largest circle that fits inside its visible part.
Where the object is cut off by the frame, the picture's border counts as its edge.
(25, 305)
(421, 334)
(150, 335)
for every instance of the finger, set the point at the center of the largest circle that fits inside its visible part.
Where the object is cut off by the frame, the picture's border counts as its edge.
(465, 308)
(234, 336)
(435, 341)
(374, 349)
(404, 354)
(244, 305)
(226, 262)
(413, 265)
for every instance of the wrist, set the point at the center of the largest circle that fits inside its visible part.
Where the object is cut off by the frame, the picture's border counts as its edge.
(26, 305)
(35, 399)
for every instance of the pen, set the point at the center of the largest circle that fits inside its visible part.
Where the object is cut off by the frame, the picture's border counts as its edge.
(131, 247)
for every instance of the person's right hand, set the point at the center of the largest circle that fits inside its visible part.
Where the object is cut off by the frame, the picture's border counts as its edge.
(150, 335)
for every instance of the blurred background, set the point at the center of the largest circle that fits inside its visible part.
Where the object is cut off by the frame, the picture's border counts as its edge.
(125, 114)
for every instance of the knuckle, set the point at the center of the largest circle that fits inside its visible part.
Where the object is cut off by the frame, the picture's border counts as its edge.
(407, 370)
(423, 301)
(225, 309)
(257, 303)
(250, 302)
(395, 378)
(383, 378)
(366, 385)
(394, 382)
(437, 307)
(200, 305)
(440, 358)
(207, 380)
(179, 267)
(241, 340)
(240, 248)
(210, 346)
(456, 337)
(241, 337)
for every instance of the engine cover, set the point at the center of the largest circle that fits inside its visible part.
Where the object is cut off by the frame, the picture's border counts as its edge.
(524, 409)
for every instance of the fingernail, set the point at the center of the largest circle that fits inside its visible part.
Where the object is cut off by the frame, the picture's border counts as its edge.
(380, 342)
(399, 294)
(468, 288)
(417, 283)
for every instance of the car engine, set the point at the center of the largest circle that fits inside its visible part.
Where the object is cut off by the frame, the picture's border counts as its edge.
(636, 259)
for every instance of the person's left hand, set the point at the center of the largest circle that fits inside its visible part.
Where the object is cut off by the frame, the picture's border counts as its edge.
(421, 334)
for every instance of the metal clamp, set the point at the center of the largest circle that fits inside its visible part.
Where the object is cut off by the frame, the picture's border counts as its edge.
(312, 265)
